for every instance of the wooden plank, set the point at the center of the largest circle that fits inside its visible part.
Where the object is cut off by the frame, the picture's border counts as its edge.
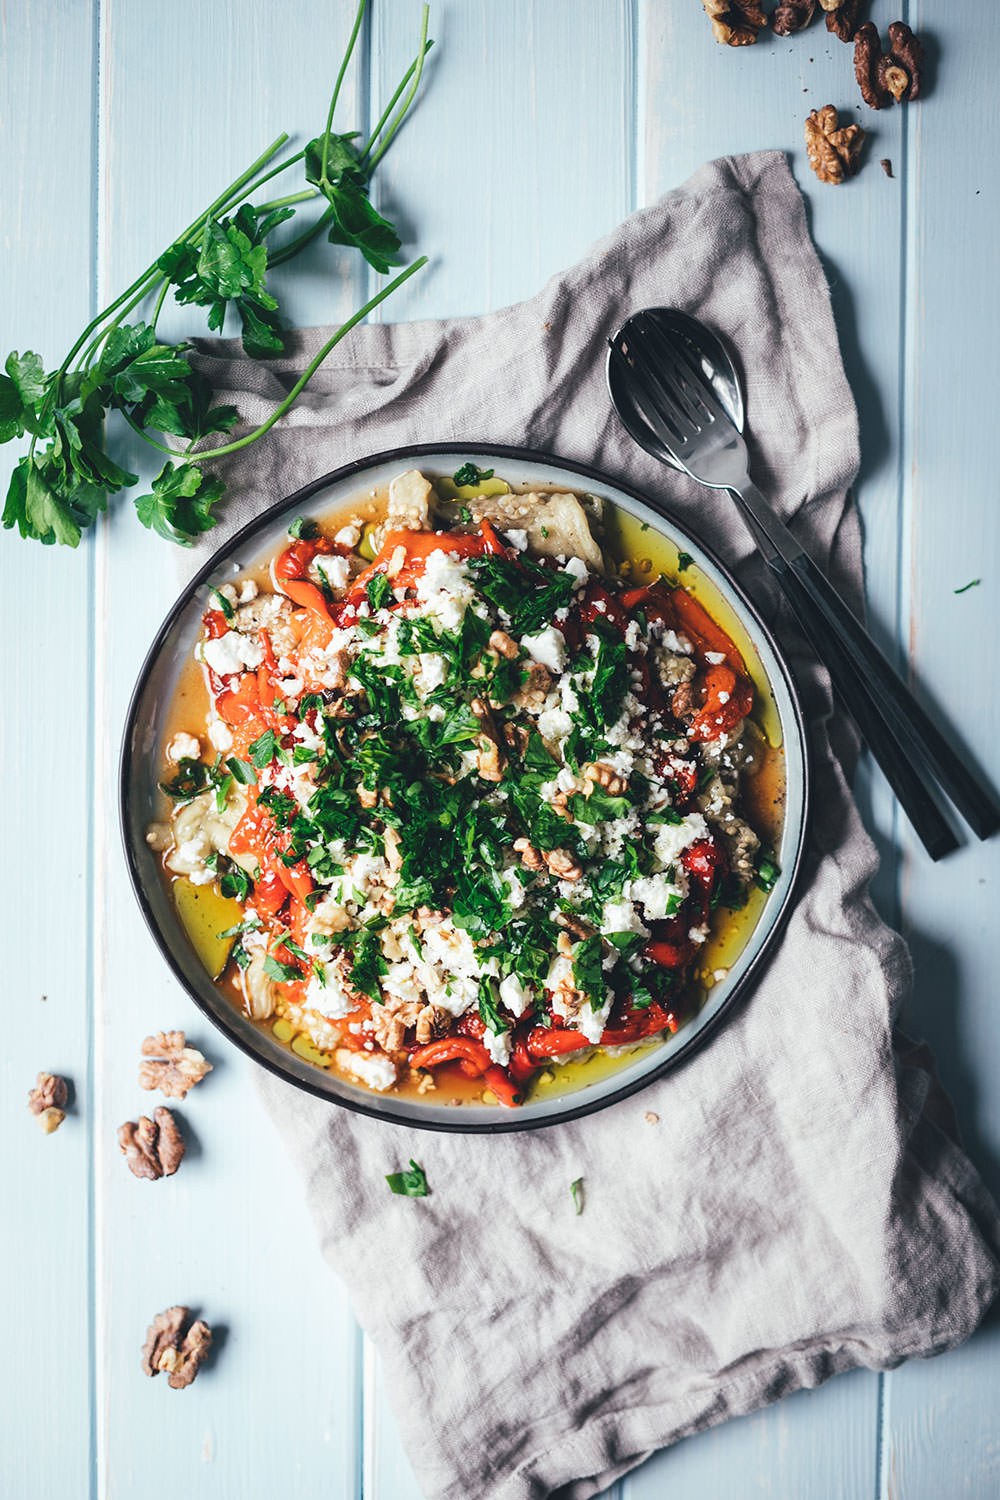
(942, 1416)
(279, 1407)
(700, 100)
(517, 159)
(46, 267)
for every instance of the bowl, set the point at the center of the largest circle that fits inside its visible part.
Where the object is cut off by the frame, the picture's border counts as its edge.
(141, 801)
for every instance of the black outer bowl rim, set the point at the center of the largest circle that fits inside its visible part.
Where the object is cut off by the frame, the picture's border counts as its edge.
(509, 1122)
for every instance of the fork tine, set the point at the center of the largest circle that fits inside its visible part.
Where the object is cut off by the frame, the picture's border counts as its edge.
(650, 378)
(676, 354)
(643, 401)
(669, 370)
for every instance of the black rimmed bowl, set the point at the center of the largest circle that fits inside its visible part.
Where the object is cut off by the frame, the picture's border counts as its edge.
(141, 802)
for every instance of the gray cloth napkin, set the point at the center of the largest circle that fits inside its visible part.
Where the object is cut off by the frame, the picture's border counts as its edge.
(794, 1210)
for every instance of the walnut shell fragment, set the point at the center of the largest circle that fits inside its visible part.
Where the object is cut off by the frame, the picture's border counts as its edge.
(152, 1148)
(887, 76)
(842, 17)
(170, 1065)
(166, 1350)
(735, 23)
(833, 153)
(47, 1101)
(792, 15)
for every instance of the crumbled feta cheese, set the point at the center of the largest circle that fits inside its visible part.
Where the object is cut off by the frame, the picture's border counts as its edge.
(555, 724)
(183, 747)
(578, 569)
(547, 647)
(220, 735)
(329, 995)
(231, 653)
(655, 893)
(514, 995)
(518, 539)
(715, 657)
(673, 838)
(348, 536)
(621, 916)
(497, 1044)
(334, 569)
(248, 591)
(373, 1069)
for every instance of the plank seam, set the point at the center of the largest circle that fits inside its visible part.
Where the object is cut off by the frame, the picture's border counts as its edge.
(90, 779)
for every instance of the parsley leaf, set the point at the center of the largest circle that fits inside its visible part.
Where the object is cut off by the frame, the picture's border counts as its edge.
(284, 973)
(378, 588)
(489, 1012)
(684, 561)
(588, 971)
(241, 771)
(411, 1184)
(576, 1192)
(369, 964)
(179, 505)
(302, 527)
(471, 474)
(264, 749)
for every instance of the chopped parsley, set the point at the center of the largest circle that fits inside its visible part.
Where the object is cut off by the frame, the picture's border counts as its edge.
(302, 528)
(411, 1184)
(471, 474)
(576, 1193)
(684, 561)
(379, 590)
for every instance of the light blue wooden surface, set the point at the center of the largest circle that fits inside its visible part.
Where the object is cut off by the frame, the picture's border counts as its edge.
(541, 126)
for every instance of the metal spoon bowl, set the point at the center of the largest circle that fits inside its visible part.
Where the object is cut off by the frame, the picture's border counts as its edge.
(717, 366)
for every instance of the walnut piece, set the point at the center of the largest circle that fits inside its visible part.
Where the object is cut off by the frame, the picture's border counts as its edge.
(536, 685)
(833, 155)
(504, 644)
(171, 1066)
(490, 760)
(735, 23)
(887, 76)
(792, 15)
(153, 1148)
(563, 865)
(165, 1349)
(530, 857)
(842, 17)
(47, 1099)
(602, 775)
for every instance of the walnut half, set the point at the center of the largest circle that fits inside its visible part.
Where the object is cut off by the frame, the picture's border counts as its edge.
(47, 1101)
(833, 153)
(169, 1065)
(735, 23)
(842, 17)
(792, 15)
(152, 1148)
(891, 75)
(166, 1350)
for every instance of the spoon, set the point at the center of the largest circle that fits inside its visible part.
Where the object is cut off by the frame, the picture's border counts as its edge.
(676, 389)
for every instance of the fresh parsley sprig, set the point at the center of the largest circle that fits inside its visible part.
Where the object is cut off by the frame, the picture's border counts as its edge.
(219, 262)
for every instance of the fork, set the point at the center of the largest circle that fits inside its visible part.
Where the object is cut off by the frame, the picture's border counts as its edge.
(671, 390)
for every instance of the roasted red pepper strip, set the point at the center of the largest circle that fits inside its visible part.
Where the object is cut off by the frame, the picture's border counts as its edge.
(728, 699)
(507, 1092)
(290, 570)
(638, 1024)
(451, 1049)
(240, 704)
(695, 622)
(553, 1041)
(418, 546)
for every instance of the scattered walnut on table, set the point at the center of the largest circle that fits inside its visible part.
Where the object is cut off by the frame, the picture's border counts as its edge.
(735, 23)
(47, 1101)
(842, 17)
(891, 75)
(833, 153)
(166, 1350)
(171, 1066)
(153, 1148)
(792, 15)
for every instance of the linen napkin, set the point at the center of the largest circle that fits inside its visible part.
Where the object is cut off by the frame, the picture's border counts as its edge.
(782, 1207)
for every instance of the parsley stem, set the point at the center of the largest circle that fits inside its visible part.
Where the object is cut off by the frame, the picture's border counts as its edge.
(336, 90)
(411, 92)
(303, 197)
(417, 62)
(301, 240)
(200, 456)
